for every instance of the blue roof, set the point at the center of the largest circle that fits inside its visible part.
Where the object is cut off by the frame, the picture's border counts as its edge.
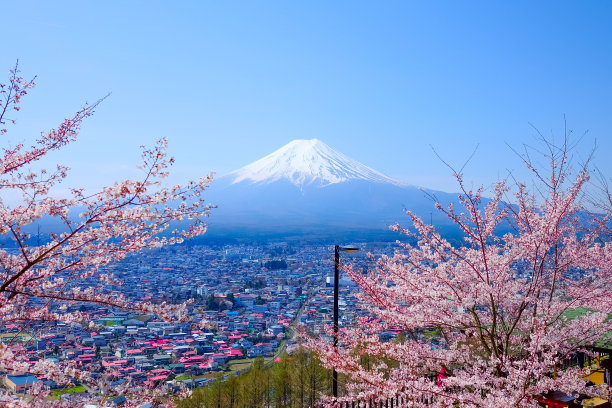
(22, 379)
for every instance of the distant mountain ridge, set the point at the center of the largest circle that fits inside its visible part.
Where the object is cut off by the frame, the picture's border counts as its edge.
(308, 191)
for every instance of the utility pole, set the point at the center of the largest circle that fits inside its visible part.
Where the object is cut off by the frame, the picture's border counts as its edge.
(336, 279)
(337, 249)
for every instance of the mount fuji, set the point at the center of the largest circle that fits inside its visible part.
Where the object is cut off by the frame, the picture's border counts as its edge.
(307, 189)
(305, 162)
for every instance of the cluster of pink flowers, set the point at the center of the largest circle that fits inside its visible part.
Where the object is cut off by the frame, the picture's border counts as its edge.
(491, 311)
(124, 218)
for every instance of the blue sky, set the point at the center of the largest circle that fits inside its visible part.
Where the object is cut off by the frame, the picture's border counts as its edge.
(228, 82)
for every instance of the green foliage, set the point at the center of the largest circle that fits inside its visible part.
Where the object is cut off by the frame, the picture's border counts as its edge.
(276, 265)
(211, 304)
(74, 390)
(295, 382)
(256, 284)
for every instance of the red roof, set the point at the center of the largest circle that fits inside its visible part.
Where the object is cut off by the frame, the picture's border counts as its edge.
(83, 360)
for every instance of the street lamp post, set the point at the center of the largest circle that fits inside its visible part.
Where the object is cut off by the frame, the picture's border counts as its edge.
(337, 250)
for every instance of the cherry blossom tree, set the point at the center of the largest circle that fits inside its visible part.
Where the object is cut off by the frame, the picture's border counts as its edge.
(39, 279)
(487, 322)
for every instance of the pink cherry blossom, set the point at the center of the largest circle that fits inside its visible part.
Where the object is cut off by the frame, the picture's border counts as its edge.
(124, 218)
(497, 305)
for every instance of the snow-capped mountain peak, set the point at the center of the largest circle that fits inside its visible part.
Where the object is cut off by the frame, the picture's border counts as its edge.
(307, 161)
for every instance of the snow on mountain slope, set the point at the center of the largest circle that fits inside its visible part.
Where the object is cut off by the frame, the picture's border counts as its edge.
(304, 162)
(307, 189)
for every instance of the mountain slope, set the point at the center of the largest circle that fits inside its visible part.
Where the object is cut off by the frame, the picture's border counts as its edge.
(308, 188)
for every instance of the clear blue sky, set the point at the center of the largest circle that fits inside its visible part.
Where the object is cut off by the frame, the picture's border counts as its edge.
(228, 82)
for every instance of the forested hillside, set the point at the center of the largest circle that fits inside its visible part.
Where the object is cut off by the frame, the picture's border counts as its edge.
(295, 381)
